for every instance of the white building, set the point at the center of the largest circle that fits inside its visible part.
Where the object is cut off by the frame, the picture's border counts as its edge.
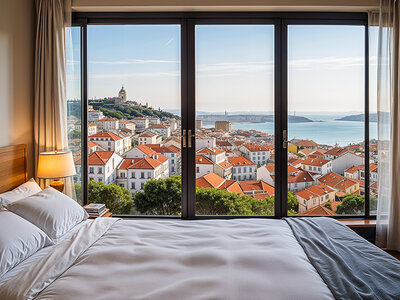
(317, 165)
(92, 129)
(242, 168)
(108, 124)
(108, 141)
(174, 157)
(94, 115)
(161, 129)
(127, 125)
(134, 172)
(345, 161)
(313, 196)
(256, 153)
(154, 120)
(149, 138)
(103, 166)
(141, 123)
(204, 166)
(205, 141)
(216, 155)
(173, 141)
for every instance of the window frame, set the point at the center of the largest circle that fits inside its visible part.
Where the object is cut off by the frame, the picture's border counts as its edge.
(187, 22)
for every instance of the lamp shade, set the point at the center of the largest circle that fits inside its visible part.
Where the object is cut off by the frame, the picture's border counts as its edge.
(56, 164)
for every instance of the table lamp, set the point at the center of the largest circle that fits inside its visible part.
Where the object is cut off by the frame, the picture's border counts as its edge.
(56, 165)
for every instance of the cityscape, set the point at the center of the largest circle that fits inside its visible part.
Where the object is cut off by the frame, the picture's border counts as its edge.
(133, 145)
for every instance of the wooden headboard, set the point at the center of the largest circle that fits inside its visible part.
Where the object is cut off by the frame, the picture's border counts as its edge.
(13, 167)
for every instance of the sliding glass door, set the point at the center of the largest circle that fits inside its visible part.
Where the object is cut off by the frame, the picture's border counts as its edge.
(235, 166)
(225, 115)
(134, 118)
(326, 113)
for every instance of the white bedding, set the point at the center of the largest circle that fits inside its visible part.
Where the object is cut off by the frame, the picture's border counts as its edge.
(148, 259)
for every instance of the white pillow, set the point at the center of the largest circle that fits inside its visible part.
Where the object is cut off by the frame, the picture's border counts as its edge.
(19, 239)
(51, 211)
(24, 190)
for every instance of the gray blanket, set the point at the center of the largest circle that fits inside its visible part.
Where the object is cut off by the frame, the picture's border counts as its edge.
(351, 267)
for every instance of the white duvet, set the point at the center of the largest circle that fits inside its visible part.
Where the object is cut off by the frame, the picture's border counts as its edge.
(148, 259)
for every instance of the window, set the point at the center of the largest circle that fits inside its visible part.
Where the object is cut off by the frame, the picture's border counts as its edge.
(326, 103)
(246, 80)
(91, 170)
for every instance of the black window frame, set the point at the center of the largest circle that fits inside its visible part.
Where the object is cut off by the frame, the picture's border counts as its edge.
(187, 22)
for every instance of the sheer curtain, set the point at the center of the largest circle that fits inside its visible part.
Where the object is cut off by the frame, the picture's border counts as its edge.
(388, 213)
(50, 114)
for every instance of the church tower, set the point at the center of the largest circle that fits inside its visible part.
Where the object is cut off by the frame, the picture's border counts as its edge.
(122, 95)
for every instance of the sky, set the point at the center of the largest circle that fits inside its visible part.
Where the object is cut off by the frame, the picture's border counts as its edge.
(234, 66)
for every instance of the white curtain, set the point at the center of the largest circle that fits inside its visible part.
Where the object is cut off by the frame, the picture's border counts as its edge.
(388, 212)
(50, 114)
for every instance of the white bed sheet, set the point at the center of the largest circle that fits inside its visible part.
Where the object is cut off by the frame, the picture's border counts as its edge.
(39, 254)
(213, 259)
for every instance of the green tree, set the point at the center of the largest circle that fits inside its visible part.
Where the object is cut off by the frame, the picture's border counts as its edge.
(328, 205)
(116, 198)
(160, 197)
(293, 204)
(354, 204)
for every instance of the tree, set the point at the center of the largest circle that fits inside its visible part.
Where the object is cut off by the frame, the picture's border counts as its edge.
(116, 198)
(293, 204)
(354, 204)
(160, 197)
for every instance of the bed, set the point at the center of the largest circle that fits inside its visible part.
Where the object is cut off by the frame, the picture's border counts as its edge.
(294, 258)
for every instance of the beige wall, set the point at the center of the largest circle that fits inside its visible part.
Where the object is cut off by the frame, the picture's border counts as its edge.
(224, 5)
(17, 36)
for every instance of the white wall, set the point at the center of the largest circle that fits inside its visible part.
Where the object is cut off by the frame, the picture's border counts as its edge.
(17, 40)
(224, 5)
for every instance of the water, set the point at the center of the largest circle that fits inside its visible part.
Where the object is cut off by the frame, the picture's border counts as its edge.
(328, 132)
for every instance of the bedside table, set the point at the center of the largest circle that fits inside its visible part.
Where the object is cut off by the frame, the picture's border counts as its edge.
(107, 214)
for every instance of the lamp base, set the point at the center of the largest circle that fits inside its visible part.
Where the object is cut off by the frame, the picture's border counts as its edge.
(58, 185)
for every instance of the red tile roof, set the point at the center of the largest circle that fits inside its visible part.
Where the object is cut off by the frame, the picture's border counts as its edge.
(306, 143)
(257, 186)
(214, 151)
(108, 134)
(336, 151)
(139, 163)
(225, 165)
(318, 211)
(209, 180)
(201, 159)
(100, 158)
(240, 161)
(315, 162)
(146, 150)
(255, 148)
(108, 120)
(301, 177)
(147, 134)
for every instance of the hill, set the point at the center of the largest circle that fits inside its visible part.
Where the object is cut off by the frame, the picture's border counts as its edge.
(130, 111)
(359, 118)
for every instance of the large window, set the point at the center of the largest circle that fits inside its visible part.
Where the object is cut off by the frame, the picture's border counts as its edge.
(226, 114)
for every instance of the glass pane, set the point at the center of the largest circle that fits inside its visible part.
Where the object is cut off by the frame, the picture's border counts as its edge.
(134, 118)
(326, 119)
(235, 114)
(74, 103)
(373, 120)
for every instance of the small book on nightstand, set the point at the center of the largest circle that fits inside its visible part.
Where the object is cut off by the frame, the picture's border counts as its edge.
(95, 210)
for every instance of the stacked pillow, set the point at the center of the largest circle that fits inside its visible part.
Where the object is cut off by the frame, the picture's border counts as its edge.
(34, 219)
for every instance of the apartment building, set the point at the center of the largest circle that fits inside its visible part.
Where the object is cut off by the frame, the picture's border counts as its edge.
(242, 168)
(108, 141)
(103, 166)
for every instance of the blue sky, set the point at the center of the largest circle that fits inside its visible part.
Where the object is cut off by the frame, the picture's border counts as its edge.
(234, 66)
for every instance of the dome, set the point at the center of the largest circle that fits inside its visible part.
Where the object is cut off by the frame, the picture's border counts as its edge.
(122, 90)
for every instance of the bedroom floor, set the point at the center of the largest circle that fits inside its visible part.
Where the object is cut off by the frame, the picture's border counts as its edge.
(395, 254)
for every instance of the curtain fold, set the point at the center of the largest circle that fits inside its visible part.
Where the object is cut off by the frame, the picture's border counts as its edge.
(388, 68)
(50, 111)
